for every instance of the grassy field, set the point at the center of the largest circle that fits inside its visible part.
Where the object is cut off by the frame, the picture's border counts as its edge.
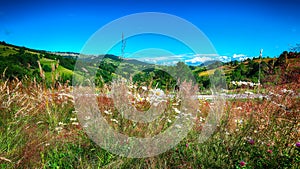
(40, 129)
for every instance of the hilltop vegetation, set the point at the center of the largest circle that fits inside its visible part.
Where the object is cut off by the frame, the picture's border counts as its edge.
(20, 62)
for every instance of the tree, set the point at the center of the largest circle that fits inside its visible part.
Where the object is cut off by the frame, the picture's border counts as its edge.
(218, 80)
(281, 61)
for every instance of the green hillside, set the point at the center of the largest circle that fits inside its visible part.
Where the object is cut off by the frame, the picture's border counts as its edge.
(20, 62)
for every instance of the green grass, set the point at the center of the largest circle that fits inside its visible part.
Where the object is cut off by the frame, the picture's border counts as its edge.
(38, 131)
(6, 50)
(61, 70)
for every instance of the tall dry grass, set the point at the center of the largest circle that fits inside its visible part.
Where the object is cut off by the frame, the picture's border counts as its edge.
(40, 129)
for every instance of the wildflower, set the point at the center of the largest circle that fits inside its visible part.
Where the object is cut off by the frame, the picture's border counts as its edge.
(74, 111)
(158, 92)
(169, 121)
(61, 124)
(73, 119)
(251, 141)
(186, 145)
(107, 112)
(114, 120)
(287, 91)
(269, 151)
(58, 129)
(201, 119)
(242, 163)
(47, 144)
(156, 96)
(75, 123)
(255, 131)
(144, 88)
(298, 144)
(176, 110)
(175, 104)
(239, 121)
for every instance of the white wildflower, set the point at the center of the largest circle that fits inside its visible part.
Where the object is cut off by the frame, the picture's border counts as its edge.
(107, 112)
(176, 110)
(239, 121)
(73, 119)
(144, 88)
(201, 119)
(287, 91)
(58, 129)
(61, 124)
(75, 123)
(74, 111)
(175, 104)
(114, 120)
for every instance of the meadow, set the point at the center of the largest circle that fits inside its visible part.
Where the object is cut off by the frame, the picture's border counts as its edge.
(40, 127)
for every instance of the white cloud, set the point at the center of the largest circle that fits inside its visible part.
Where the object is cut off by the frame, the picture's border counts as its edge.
(190, 58)
(240, 57)
(199, 59)
(225, 58)
(206, 55)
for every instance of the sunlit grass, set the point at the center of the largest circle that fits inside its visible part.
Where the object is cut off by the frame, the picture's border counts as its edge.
(40, 129)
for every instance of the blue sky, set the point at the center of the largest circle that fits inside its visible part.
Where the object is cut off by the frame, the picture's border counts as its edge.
(235, 28)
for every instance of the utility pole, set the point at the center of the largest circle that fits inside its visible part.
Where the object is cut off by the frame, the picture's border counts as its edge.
(123, 46)
(260, 56)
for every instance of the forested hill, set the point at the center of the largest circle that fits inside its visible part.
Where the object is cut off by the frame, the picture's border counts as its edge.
(21, 62)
